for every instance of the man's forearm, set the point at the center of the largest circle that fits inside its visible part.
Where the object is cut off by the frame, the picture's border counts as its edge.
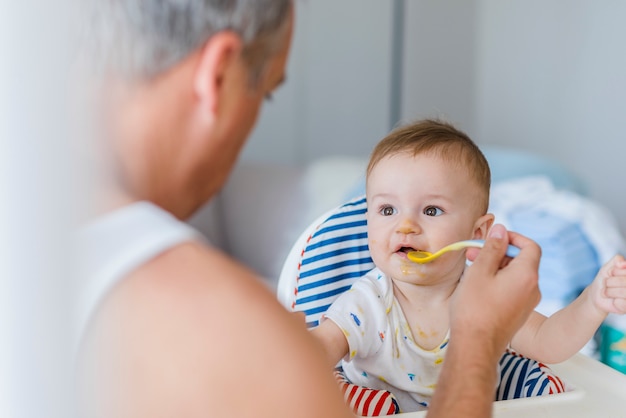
(466, 382)
(479, 331)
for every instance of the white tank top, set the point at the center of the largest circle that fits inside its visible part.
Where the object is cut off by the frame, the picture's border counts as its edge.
(114, 245)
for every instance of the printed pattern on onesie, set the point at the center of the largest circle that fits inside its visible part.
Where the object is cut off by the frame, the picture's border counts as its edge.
(382, 351)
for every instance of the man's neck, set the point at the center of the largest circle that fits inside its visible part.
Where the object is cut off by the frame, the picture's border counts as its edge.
(149, 132)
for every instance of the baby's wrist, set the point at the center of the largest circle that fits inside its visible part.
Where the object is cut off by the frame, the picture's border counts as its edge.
(592, 297)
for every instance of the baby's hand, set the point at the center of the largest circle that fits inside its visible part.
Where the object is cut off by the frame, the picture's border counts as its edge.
(609, 287)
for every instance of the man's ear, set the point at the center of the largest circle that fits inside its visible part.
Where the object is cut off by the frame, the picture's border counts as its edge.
(217, 57)
(483, 225)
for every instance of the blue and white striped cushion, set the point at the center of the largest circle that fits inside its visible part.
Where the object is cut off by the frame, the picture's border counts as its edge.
(521, 377)
(336, 253)
(334, 256)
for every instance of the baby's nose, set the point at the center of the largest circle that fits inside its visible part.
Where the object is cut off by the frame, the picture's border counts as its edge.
(407, 226)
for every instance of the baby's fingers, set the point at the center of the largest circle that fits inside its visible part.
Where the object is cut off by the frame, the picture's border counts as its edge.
(616, 274)
(619, 306)
(615, 292)
(618, 265)
(615, 288)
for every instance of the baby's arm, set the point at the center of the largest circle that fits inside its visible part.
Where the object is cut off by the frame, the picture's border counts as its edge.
(333, 341)
(557, 338)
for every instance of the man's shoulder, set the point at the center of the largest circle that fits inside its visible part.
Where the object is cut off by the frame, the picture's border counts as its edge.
(193, 273)
(178, 324)
(185, 296)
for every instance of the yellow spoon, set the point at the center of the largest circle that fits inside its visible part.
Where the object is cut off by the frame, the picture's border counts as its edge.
(423, 257)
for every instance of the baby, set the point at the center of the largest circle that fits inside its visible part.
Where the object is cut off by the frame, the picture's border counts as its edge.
(428, 186)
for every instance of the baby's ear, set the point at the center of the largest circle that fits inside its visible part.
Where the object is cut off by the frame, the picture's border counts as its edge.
(483, 225)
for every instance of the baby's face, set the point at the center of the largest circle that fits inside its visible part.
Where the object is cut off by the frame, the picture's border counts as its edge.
(421, 203)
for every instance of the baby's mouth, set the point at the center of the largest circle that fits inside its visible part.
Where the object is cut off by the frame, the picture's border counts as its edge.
(406, 250)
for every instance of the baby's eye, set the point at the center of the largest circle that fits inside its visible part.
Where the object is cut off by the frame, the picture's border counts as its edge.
(387, 210)
(433, 211)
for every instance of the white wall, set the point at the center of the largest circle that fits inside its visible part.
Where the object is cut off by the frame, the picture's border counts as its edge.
(439, 69)
(337, 95)
(551, 78)
(546, 76)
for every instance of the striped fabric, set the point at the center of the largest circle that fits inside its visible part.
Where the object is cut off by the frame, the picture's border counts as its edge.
(333, 255)
(521, 377)
(366, 402)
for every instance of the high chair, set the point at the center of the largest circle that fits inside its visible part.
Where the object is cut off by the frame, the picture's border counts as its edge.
(333, 252)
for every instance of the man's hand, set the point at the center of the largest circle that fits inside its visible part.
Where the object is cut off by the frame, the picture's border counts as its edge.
(492, 301)
(496, 294)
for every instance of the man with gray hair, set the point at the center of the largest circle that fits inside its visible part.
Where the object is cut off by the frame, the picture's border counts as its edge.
(171, 326)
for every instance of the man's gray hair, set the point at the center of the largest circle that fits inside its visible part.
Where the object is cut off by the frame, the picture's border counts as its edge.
(143, 38)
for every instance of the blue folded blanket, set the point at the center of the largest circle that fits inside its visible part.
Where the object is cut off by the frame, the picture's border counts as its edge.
(569, 261)
(577, 235)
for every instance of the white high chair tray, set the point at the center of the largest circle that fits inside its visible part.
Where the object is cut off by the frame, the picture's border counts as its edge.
(593, 390)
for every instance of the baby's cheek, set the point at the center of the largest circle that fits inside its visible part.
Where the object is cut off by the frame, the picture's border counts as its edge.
(378, 251)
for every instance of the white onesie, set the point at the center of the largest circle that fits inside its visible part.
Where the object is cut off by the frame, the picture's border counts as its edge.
(383, 354)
